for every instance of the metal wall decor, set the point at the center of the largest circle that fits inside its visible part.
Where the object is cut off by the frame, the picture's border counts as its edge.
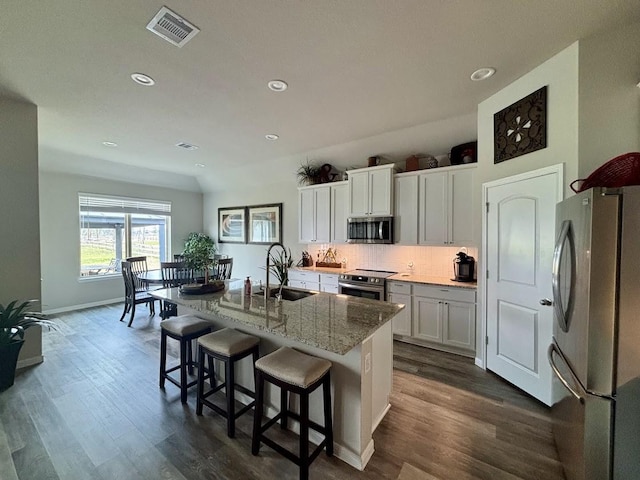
(521, 127)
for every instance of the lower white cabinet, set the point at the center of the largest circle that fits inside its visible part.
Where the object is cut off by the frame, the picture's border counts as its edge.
(438, 317)
(402, 321)
(308, 280)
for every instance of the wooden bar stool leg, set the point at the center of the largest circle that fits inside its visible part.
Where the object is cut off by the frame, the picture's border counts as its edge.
(328, 421)
(212, 372)
(200, 380)
(284, 408)
(183, 371)
(190, 356)
(257, 413)
(230, 391)
(304, 436)
(163, 357)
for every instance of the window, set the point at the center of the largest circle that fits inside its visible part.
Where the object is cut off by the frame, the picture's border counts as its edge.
(114, 228)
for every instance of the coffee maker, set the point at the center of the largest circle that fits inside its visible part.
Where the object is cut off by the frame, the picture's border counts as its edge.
(463, 267)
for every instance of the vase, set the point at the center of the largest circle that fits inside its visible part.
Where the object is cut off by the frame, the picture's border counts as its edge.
(8, 361)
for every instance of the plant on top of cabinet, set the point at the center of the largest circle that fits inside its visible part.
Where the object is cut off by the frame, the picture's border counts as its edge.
(309, 174)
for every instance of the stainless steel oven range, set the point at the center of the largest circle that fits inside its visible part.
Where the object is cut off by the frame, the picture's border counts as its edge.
(364, 283)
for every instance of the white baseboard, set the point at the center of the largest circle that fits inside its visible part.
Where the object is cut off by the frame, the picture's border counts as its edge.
(479, 363)
(377, 421)
(27, 362)
(84, 305)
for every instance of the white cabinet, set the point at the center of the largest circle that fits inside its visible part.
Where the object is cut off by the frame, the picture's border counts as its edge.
(303, 279)
(438, 317)
(314, 214)
(329, 282)
(370, 191)
(446, 207)
(405, 220)
(339, 212)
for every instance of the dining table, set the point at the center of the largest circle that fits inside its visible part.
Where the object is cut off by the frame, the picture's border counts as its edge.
(154, 277)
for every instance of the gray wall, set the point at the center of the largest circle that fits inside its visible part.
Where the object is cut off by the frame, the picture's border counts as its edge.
(20, 231)
(609, 98)
(59, 225)
(277, 182)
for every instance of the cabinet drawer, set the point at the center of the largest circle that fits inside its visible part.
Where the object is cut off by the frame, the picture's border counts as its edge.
(328, 279)
(328, 288)
(445, 293)
(304, 276)
(400, 287)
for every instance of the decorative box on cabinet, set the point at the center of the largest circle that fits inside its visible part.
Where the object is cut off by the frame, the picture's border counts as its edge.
(314, 214)
(371, 191)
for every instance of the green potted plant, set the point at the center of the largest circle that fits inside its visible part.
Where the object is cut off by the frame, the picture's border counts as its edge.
(280, 264)
(309, 174)
(199, 249)
(14, 320)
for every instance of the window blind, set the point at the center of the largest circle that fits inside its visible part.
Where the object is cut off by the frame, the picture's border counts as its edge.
(103, 203)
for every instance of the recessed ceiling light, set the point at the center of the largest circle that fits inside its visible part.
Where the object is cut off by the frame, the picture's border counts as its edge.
(200, 165)
(110, 144)
(142, 79)
(271, 136)
(482, 74)
(278, 85)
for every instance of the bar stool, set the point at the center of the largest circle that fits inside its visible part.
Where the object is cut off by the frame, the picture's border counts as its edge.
(299, 373)
(184, 329)
(229, 346)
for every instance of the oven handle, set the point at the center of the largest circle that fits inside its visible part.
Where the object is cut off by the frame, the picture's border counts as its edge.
(360, 287)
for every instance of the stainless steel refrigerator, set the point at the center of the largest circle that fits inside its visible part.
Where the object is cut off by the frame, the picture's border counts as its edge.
(595, 353)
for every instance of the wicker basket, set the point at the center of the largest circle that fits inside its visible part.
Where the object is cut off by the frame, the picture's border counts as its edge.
(618, 172)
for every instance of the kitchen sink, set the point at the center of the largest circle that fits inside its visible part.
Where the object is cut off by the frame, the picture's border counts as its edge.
(291, 294)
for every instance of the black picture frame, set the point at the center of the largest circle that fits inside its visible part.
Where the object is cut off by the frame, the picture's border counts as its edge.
(521, 128)
(232, 225)
(264, 224)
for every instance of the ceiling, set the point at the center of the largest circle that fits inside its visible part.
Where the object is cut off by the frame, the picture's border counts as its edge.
(355, 68)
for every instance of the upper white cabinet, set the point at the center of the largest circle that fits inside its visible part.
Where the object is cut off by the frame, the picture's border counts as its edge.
(371, 191)
(446, 207)
(405, 220)
(314, 214)
(339, 212)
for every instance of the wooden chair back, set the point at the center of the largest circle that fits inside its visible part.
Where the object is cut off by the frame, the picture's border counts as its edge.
(138, 265)
(174, 274)
(222, 269)
(129, 284)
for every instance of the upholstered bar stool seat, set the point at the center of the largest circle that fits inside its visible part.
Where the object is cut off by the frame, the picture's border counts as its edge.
(299, 373)
(227, 345)
(184, 328)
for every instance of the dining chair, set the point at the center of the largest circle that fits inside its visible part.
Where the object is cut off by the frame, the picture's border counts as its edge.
(222, 269)
(174, 274)
(133, 295)
(138, 266)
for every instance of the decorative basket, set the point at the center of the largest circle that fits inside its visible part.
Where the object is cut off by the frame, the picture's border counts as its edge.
(618, 172)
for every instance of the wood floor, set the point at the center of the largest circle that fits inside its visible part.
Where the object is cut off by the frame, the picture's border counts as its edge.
(93, 410)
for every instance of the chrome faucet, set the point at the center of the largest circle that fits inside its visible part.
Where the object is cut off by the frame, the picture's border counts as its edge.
(266, 289)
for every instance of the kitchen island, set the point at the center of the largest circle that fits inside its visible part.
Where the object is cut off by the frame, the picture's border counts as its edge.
(353, 333)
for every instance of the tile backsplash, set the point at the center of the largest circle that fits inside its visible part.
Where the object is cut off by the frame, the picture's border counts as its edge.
(432, 261)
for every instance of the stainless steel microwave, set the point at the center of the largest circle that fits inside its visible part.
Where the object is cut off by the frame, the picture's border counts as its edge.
(370, 230)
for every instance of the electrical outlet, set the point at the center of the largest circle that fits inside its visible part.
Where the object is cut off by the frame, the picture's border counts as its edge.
(367, 363)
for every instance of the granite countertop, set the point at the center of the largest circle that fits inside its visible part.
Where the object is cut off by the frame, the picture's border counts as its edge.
(337, 271)
(441, 281)
(335, 323)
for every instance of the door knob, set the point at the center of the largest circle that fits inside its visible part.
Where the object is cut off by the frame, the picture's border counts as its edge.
(546, 302)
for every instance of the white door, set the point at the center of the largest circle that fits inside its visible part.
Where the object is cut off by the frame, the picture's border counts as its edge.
(459, 325)
(306, 215)
(380, 182)
(402, 321)
(359, 194)
(519, 242)
(427, 319)
(461, 211)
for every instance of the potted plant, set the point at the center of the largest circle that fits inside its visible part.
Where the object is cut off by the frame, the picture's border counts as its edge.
(279, 265)
(199, 249)
(14, 320)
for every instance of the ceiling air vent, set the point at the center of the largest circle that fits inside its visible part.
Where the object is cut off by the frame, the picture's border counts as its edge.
(186, 146)
(172, 27)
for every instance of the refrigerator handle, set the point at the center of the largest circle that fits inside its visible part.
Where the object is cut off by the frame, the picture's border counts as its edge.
(553, 349)
(558, 252)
